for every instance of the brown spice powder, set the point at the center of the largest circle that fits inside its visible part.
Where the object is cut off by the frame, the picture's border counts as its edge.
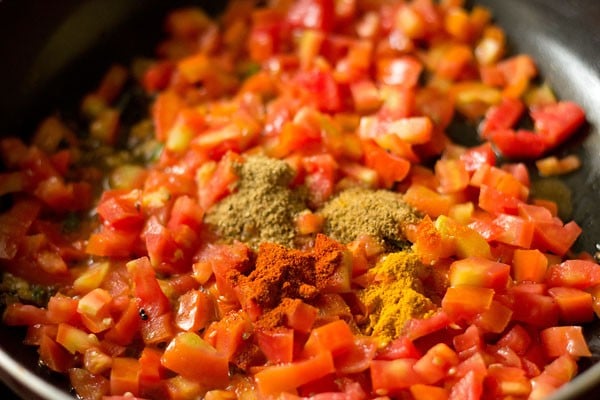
(379, 213)
(263, 209)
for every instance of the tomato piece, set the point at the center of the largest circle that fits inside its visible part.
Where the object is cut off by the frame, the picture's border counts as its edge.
(323, 88)
(475, 157)
(365, 96)
(321, 171)
(17, 314)
(508, 381)
(416, 328)
(151, 370)
(468, 242)
(88, 385)
(193, 358)
(110, 242)
(427, 200)
(502, 116)
(335, 337)
(514, 231)
(164, 112)
(231, 332)
(54, 356)
(535, 309)
(220, 183)
(14, 225)
(193, 311)
(429, 244)
(389, 167)
(276, 379)
(452, 175)
(404, 70)
(435, 364)
(276, 344)
(401, 347)
(470, 341)
(494, 201)
(529, 265)
(579, 274)
(557, 122)
(358, 358)
(158, 75)
(147, 290)
(477, 271)
(125, 376)
(575, 305)
(554, 237)
(469, 387)
(495, 319)
(312, 14)
(420, 391)
(62, 308)
(301, 316)
(412, 130)
(466, 301)
(94, 309)
(127, 326)
(393, 376)
(74, 339)
(518, 144)
(564, 340)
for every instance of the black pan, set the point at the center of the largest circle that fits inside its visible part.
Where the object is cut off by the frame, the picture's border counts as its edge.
(51, 52)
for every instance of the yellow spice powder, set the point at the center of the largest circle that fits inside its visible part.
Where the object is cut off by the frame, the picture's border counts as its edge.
(395, 296)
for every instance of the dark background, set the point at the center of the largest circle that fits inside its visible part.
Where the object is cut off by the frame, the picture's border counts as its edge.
(55, 50)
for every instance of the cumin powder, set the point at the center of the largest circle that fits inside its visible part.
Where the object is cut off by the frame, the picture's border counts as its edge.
(264, 207)
(378, 213)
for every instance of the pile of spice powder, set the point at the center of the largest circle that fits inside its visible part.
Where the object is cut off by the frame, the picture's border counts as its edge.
(378, 213)
(395, 295)
(263, 209)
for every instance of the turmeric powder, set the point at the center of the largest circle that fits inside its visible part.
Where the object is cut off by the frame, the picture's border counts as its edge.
(395, 295)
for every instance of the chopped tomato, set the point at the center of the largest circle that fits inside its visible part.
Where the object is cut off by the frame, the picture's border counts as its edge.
(288, 377)
(556, 122)
(502, 116)
(192, 357)
(564, 340)
(312, 14)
